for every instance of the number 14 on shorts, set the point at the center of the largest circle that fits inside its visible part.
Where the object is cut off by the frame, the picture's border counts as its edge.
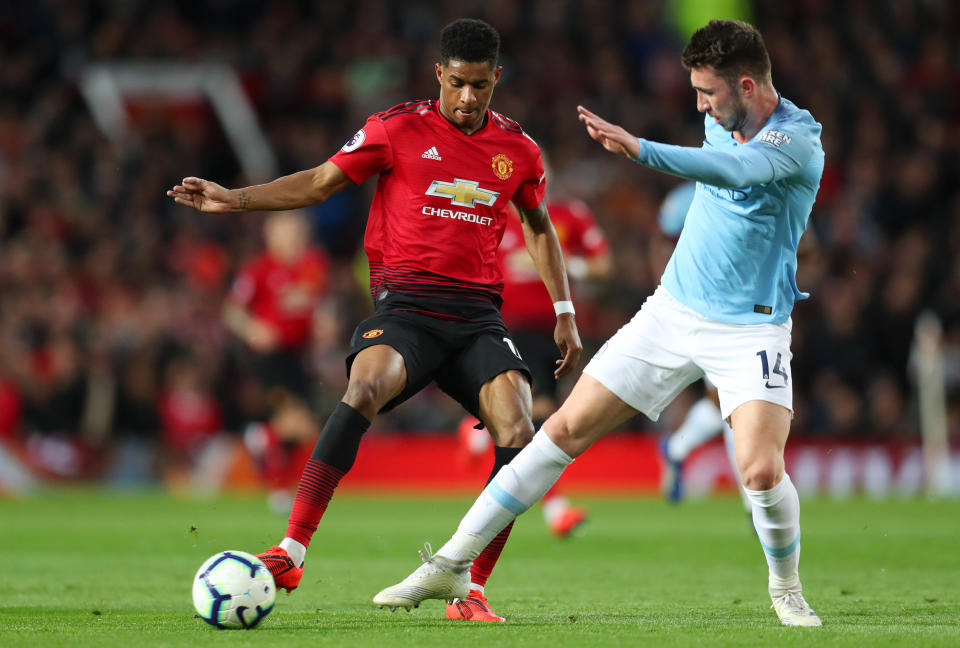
(765, 366)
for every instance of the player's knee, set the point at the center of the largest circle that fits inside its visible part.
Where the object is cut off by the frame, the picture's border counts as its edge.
(761, 474)
(569, 437)
(364, 395)
(515, 432)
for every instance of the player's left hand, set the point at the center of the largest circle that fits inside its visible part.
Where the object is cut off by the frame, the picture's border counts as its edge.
(568, 341)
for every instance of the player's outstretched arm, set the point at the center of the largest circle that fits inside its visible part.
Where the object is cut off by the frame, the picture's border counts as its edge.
(296, 190)
(613, 138)
(544, 247)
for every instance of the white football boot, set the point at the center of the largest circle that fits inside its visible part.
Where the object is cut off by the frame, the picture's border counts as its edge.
(437, 578)
(792, 609)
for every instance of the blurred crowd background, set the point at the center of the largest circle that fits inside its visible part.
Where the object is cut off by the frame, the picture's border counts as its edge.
(112, 297)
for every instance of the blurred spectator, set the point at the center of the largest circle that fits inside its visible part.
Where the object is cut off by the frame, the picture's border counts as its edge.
(271, 309)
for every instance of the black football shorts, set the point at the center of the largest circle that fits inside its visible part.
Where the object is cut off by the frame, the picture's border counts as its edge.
(460, 352)
(540, 352)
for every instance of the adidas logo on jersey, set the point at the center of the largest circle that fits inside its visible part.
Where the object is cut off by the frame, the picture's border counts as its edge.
(431, 154)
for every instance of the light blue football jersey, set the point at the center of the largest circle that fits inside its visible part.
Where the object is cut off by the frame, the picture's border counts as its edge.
(736, 260)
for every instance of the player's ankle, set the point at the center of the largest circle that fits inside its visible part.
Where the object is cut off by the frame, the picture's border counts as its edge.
(780, 583)
(295, 550)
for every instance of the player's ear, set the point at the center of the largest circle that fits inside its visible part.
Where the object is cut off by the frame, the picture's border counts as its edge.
(747, 86)
(496, 73)
(439, 69)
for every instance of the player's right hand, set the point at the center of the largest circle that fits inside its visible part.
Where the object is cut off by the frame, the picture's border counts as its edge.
(202, 195)
(613, 138)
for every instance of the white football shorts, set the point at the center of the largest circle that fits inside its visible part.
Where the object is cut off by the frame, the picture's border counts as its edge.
(667, 346)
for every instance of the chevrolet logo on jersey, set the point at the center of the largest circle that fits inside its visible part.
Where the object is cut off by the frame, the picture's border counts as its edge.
(463, 193)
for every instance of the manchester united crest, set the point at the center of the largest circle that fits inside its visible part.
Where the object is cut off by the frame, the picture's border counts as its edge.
(502, 166)
(372, 333)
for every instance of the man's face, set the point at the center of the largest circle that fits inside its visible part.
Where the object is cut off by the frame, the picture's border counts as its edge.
(718, 99)
(465, 92)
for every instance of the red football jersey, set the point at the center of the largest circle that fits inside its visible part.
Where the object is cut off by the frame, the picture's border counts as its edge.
(283, 295)
(440, 207)
(526, 303)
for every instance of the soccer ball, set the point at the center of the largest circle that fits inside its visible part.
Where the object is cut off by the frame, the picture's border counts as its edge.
(233, 589)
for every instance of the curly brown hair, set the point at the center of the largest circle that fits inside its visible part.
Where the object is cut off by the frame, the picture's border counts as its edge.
(732, 47)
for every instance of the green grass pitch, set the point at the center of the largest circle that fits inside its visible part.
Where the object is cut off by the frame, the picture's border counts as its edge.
(95, 569)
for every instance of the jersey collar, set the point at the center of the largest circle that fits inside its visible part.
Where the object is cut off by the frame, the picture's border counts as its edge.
(453, 127)
(766, 125)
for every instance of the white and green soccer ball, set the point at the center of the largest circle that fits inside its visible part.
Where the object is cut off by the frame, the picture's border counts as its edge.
(233, 589)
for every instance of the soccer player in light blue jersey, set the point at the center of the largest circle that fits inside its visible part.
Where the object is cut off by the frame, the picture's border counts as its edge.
(722, 312)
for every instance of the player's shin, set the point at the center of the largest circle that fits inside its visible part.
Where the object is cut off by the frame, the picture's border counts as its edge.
(776, 517)
(332, 458)
(483, 565)
(518, 486)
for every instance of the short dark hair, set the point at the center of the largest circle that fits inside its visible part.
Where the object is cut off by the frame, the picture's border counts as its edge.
(732, 47)
(469, 40)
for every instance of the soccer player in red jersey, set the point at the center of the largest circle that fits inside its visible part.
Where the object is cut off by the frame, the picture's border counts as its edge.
(270, 308)
(447, 170)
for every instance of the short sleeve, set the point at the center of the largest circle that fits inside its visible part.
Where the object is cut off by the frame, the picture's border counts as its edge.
(531, 191)
(787, 152)
(365, 154)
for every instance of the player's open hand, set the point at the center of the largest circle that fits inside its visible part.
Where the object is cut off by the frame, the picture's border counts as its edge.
(568, 341)
(202, 195)
(613, 138)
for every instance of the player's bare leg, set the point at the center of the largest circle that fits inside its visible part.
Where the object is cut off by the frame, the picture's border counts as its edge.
(562, 517)
(505, 406)
(377, 375)
(760, 434)
(588, 414)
